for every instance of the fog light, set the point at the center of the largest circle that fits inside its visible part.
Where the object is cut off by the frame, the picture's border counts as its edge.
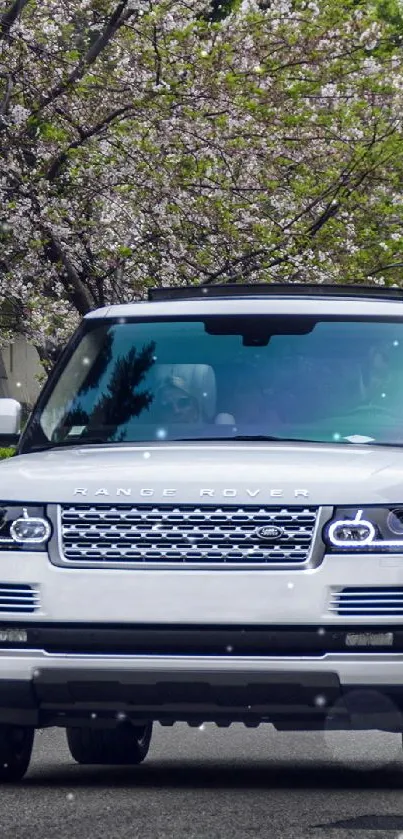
(369, 639)
(30, 529)
(13, 636)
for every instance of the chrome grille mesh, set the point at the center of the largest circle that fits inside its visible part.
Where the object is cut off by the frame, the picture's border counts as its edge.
(202, 534)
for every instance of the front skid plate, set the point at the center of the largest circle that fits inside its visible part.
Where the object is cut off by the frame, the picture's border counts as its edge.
(293, 700)
(167, 690)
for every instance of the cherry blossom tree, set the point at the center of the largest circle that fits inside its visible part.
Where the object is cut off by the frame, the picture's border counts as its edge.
(150, 142)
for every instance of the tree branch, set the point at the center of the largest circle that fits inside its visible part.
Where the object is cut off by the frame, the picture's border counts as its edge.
(75, 288)
(385, 268)
(158, 60)
(7, 96)
(9, 17)
(230, 265)
(117, 19)
(61, 158)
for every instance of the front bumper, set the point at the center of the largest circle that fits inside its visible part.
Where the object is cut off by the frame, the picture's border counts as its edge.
(295, 596)
(41, 689)
(246, 645)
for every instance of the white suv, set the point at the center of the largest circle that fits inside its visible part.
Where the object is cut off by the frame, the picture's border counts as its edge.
(204, 522)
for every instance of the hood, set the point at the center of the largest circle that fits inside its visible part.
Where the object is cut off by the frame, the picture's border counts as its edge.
(250, 473)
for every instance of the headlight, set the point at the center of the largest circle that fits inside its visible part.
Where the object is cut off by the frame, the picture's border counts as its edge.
(23, 527)
(365, 528)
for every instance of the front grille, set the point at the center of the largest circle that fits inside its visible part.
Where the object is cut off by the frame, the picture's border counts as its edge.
(355, 601)
(18, 597)
(186, 534)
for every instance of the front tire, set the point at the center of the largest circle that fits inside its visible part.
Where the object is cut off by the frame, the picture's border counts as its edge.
(126, 745)
(16, 743)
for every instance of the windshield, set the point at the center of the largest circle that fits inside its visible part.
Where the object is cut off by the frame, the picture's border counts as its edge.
(287, 377)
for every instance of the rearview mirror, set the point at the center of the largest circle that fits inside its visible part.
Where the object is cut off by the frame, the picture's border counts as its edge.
(10, 421)
(256, 330)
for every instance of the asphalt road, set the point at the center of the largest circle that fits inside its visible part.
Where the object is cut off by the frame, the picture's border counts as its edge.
(215, 784)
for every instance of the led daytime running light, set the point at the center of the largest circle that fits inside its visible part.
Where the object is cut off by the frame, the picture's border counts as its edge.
(358, 524)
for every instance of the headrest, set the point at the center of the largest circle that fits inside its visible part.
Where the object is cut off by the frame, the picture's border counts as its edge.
(197, 379)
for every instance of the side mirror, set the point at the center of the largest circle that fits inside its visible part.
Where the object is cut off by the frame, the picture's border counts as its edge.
(10, 421)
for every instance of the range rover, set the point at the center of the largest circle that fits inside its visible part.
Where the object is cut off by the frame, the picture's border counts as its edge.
(203, 521)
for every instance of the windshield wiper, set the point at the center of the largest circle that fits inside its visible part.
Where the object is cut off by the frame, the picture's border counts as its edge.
(240, 438)
(244, 438)
(89, 441)
(271, 437)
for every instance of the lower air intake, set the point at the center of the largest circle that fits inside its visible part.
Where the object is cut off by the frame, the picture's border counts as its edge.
(368, 602)
(18, 598)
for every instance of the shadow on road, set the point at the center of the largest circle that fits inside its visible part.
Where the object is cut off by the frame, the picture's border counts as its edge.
(367, 822)
(278, 775)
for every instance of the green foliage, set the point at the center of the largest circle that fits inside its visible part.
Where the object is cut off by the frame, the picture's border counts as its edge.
(218, 10)
(6, 452)
(204, 141)
(392, 12)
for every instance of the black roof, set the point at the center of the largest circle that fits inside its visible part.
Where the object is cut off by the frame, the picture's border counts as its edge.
(348, 290)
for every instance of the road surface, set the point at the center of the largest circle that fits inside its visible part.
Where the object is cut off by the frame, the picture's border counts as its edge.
(215, 784)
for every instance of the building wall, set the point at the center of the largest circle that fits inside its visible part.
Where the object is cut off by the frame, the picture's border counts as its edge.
(20, 371)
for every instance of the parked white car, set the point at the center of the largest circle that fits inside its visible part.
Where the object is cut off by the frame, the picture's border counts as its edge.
(204, 522)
